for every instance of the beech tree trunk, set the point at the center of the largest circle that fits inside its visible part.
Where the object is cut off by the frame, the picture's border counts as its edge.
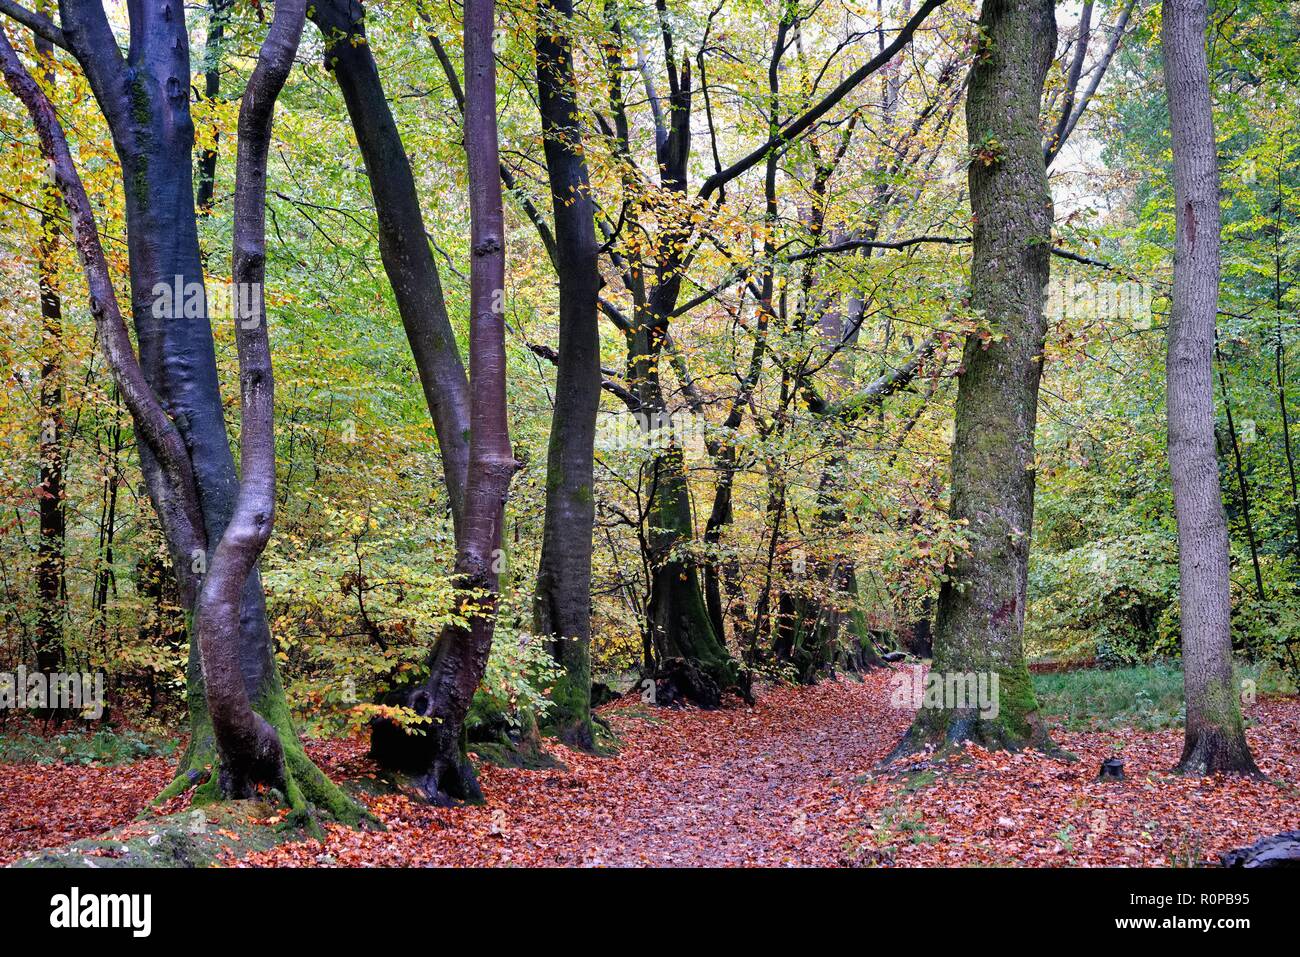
(982, 605)
(436, 753)
(171, 389)
(403, 242)
(1215, 739)
(249, 746)
(562, 609)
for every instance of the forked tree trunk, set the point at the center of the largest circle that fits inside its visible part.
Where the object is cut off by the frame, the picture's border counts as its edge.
(562, 609)
(250, 749)
(436, 755)
(1215, 739)
(172, 389)
(982, 605)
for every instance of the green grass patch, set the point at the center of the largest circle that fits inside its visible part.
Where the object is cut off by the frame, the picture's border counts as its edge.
(102, 747)
(1147, 697)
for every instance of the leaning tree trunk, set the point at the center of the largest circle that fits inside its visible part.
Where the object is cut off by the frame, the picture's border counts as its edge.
(982, 605)
(403, 243)
(1215, 739)
(562, 609)
(436, 753)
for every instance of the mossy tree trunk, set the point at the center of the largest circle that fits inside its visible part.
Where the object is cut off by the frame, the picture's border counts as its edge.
(819, 628)
(171, 387)
(982, 604)
(1215, 739)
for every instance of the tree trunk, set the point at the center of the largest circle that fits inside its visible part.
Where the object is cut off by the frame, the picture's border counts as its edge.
(1215, 739)
(562, 609)
(249, 746)
(982, 605)
(218, 17)
(459, 657)
(172, 389)
(50, 562)
(403, 242)
(1242, 485)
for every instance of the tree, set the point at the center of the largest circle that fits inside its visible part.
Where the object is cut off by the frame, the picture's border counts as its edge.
(562, 609)
(1215, 738)
(171, 389)
(982, 603)
(436, 754)
(51, 585)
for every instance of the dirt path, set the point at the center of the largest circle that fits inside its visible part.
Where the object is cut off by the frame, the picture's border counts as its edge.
(756, 786)
(785, 783)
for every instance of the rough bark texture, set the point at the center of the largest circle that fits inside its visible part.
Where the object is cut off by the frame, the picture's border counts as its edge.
(403, 242)
(562, 609)
(459, 657)
(1215, 738)
(982, 605)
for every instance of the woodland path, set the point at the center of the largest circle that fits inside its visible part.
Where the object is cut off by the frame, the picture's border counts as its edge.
(787, 782)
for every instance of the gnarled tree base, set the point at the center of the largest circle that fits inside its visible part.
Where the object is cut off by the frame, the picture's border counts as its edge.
(309, 794)
(428, 760)
(948, 729)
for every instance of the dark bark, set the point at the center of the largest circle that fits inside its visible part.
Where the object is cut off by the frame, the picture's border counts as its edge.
(982, 604)
(218, 16)
(1215, 738)
(1243, 487)
(562, 609)
(1279, 351)
(50, 563)
(403, 242)
(171, 389)
(248, 745)
(459, 656)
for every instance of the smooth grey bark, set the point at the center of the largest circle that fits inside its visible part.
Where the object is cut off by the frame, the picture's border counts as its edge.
(459, 656)
(171, 389)
(562, 601)
(982, 603)
(249, 746)
(1215, 738)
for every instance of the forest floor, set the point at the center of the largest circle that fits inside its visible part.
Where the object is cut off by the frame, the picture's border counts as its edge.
(793, 780)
